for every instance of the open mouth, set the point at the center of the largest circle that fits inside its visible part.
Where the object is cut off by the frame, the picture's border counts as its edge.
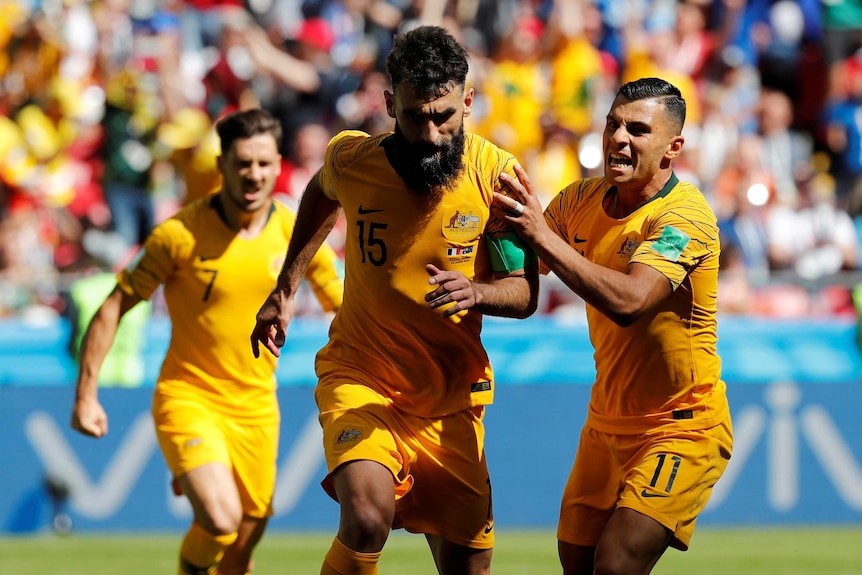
(617, 161)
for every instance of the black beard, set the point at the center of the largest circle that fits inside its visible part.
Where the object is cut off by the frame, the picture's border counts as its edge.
(429, 168)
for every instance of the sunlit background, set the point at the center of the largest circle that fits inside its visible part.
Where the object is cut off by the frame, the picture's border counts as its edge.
(106, 113)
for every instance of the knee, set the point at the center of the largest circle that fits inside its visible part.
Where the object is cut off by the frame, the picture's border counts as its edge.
(615, 564)
(223, 518)
(365, 528)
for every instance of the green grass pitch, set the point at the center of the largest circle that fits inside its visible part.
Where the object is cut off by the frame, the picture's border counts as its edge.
(775, 551)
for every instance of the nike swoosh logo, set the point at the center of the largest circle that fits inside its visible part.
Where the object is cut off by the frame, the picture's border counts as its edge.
(363, 211)
(488, 529)
(207, 258)
(577, 240)
(646, 493)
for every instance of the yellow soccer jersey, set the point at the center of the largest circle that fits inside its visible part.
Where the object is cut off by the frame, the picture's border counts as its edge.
(663, 370)
(214, 283)
(385, 335)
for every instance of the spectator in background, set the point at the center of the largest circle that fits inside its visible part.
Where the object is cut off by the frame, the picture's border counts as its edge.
(555, 162)
(304, 157)
(203, 21)
(814, 237)
(129, 124)
(191, 144)
(230, 82)
(298, 80)
(844, 138)
(785, 151)
(693, 43)
(577, 67)
(219, 55)
(842, 38)
(515, 89)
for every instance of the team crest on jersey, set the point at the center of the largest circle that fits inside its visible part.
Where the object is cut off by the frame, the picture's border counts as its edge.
(627, 248)
(347, 436)
(461, 224)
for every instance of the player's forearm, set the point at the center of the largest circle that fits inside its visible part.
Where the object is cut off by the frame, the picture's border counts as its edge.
(514, 296)
(315, 219)
(613, 293)
(322, 274)
(94, 348)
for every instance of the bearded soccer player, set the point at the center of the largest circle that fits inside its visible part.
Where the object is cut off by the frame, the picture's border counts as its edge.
(215, 408)
(641, 248)
(404, 380)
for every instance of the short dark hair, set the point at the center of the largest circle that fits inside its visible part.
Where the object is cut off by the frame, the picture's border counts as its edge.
(648, 88)
(429, 59)
(243, 124)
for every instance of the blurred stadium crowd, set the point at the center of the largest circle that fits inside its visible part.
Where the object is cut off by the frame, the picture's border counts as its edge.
(106, 112)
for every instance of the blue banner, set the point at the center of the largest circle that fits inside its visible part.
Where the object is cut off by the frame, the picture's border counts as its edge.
(541, 349)
(797, 459)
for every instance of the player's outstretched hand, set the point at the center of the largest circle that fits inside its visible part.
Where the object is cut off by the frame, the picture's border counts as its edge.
(271, 323)
(89, 418)
(450, 287)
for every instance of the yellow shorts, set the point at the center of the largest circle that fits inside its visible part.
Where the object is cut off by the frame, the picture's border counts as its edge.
(667, 476)
(190, 435)
(442, 486)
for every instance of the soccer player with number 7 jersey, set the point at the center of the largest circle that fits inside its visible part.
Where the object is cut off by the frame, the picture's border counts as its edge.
(214, 407)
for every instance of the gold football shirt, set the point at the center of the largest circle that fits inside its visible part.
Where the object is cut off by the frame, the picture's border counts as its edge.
(214, 283)
(664, 369)
(385, 335)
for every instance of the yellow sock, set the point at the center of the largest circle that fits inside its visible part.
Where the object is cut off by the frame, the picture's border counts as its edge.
(201, 550)
(342, 561)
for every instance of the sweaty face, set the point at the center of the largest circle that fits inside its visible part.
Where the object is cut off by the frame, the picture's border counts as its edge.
(429, 137)
(637, 139)
(249, 171)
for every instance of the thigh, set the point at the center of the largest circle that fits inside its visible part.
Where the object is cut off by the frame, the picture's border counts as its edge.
(212, 493)
(360, 425)
(631, 543)
(451, 558)
(189, 434)
(253, 452)
(366, 495)
(671, 476)
(451, 495)
(591, 491)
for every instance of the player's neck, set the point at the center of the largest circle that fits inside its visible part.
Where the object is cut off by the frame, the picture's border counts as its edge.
(245, 224)
(625, 200)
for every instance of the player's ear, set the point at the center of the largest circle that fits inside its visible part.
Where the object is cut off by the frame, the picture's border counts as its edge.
(468, 102)
(390, 103)
(674, 149)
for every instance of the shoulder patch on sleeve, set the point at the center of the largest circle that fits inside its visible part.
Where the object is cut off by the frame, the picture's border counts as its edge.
(671, 243)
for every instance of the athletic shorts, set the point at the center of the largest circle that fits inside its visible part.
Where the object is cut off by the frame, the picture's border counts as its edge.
(667, 476)
(442, 486)
(190, 435)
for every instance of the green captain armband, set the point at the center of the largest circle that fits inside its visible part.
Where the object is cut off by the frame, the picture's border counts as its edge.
(509, 253)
